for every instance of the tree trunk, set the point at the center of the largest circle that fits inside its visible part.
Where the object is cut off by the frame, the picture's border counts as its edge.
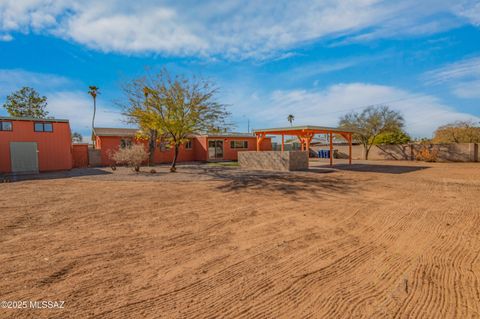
(93, 120)
(151, 146)
(175, 156)
(367, 150)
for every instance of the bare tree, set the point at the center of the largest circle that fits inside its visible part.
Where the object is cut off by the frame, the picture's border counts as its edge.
(370, 123)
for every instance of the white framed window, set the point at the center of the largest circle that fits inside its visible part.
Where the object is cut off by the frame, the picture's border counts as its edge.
(188, 145)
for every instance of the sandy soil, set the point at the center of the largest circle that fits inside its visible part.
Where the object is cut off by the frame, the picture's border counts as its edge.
(389, 240)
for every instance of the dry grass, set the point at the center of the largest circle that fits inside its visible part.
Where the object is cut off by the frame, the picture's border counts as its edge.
(365, 241)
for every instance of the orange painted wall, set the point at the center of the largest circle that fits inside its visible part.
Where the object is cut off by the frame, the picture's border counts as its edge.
(80, 155)
(231, 154)
(54, 149)
(199, 151)
(110, 144)
(200, 147)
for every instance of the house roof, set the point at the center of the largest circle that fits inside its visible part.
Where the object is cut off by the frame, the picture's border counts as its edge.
(319, 129)
(33, 119)
(130, 132)
(107, 131)
(228, 134)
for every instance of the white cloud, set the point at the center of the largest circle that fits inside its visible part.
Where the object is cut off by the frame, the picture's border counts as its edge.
(77, 107)
(63, 101)
(468, 90)
(463, 77)
(422, 113)
(6, 37)
(471, 12)
(14, 79)
(234, 29)
(466, 69)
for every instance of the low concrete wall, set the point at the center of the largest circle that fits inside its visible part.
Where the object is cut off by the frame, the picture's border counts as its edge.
(460, 152)
(94, 157)
(274, 160)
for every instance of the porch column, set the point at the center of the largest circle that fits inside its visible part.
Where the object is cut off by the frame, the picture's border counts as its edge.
(331, 148)
(283, 142)
(350, 149)
(259, 140)
(308, 147)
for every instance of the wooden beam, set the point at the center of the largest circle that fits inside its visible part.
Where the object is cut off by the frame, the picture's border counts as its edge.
(308, 146)
(350, 149)
(259, 140)
(331, 148)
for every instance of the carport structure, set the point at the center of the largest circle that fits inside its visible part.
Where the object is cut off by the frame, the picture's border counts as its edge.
(305, 135)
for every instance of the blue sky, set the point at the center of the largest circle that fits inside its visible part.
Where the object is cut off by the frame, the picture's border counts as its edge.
(316, 60)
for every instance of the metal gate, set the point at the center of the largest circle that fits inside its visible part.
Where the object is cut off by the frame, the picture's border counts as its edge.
(24, 157)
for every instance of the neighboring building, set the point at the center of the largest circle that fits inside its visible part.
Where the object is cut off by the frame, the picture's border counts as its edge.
(29, 145)
(209, 147)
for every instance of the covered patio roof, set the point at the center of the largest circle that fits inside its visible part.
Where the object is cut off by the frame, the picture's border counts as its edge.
(294, 130)
(305, 135)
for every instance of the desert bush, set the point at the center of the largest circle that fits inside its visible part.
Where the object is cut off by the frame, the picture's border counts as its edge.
(427, 154)
(132, 156)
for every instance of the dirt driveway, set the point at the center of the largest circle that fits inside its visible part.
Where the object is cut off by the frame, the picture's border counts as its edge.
(381, 240)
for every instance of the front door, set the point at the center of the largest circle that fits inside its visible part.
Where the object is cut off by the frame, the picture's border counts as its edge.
(215, 149)
(24, 157)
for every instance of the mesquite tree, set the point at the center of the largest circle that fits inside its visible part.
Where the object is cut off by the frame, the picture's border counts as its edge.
(370, 123)
(173, 108)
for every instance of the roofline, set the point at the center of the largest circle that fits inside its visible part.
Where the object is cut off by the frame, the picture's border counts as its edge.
(238, 135)
(16, 118)
(132, 133)
(303, 128)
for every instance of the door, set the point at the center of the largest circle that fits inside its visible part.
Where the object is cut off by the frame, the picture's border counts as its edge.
(24, 157)
(215, 149)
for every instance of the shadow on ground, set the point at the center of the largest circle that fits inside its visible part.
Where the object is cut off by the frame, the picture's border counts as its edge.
(76, 172)
(378, 168)
(288, 183)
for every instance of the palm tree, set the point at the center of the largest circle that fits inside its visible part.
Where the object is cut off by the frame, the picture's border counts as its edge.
(93, 91)
(290, 118)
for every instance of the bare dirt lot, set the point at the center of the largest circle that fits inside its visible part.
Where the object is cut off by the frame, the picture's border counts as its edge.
(381, 240)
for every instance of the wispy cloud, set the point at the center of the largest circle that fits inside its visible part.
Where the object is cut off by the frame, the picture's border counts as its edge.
(14, 79)
(233, 29)
(463, 77)
(469, 11)
(77, 107)
(6, 37)
(423, 113)
(64, 101)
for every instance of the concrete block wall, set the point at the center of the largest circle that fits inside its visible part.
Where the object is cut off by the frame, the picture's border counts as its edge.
(274, 160)
(460, 152)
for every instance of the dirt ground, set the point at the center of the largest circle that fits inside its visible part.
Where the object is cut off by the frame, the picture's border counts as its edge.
(374, 240)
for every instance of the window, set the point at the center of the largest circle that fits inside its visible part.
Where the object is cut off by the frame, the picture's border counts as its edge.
(6, 126)
(188, 145)
(125, 142)
(239, 144)
(48, 127)
(164, 146)
(43, 127)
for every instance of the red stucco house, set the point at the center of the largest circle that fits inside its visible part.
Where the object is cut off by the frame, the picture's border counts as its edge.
(29, 145)
(208, 147)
